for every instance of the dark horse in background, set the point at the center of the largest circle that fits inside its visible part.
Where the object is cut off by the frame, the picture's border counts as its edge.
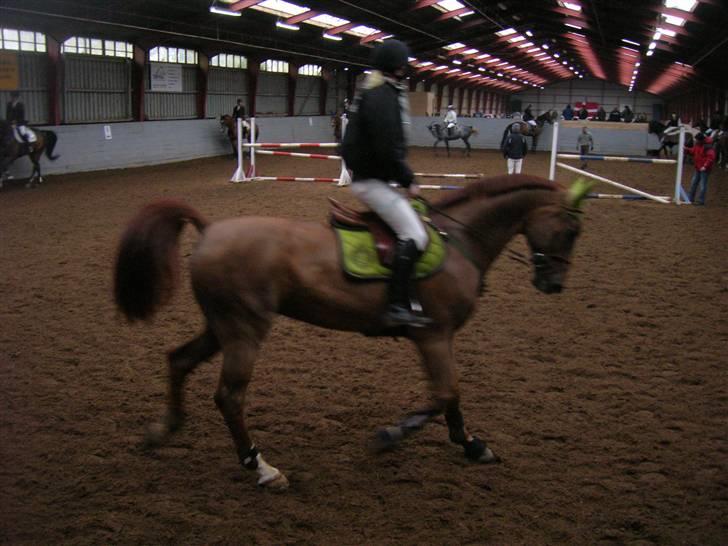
(227, 123)
(11, 149)
(529, 130)
(670, 136)
(246, 271)
(459, 132)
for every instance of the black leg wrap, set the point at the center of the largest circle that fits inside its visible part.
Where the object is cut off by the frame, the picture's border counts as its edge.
(250, 461)
(456, 426)
(474, 449)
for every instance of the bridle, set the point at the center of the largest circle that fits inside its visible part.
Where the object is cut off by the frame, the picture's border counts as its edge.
(540, 261)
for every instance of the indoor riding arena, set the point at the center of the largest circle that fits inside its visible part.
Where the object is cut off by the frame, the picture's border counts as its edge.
(606, 403)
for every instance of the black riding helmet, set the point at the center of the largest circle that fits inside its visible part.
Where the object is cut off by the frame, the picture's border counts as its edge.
(390, 55)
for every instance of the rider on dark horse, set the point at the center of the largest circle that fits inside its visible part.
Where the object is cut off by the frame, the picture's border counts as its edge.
(375, 148)
(15, 115)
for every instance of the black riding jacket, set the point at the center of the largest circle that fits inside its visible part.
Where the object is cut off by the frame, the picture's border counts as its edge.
(374, 144)
(15, 114)
(238, 111)
(515, 146)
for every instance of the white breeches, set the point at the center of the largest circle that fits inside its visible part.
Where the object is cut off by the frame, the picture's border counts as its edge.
(26, 133)
(514, 166)
(393, 208)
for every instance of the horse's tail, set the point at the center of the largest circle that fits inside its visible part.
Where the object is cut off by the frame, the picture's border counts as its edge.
(147, 267)
(50, 143)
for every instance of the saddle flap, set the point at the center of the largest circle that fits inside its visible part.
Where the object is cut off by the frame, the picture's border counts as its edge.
(343, 216)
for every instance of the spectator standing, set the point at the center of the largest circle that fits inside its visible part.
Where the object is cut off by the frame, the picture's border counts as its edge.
(583, 113)
(568, 113)
(703, 159)
(515, 149)
(601, 114)
(627, 114)
(614, 115)
(585, 144)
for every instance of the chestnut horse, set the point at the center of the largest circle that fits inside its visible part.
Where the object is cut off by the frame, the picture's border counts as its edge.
(246, 270)
(11, 149)
(227, 123)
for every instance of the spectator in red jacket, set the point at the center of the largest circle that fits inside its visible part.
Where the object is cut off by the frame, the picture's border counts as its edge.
(703, 158)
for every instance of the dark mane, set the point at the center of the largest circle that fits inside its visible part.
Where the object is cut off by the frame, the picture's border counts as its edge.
(497, 185)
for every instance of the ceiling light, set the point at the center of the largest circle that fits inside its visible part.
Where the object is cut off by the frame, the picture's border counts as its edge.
(570, 5)
(649, 53)
(685, 5)
(573, 26)
(626, 41)
(281, 24)
(332, 37)
(506, 32)
(224, 11)
(652, 45)
(529, 33)
(657, 35)
(556, 55)
(457, 62)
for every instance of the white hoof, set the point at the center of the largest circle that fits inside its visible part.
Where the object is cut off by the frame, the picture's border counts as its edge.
(278, 482)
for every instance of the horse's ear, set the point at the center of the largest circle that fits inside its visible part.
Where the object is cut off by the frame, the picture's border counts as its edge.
(578, 192)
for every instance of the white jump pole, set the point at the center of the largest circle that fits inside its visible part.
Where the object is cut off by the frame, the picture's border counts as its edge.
(252, 149)
(613, 183)
(239, 174)
(344, 176)
(554, 151)
(680, 160)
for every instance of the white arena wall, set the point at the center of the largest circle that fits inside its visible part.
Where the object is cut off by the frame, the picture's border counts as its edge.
(134, 144)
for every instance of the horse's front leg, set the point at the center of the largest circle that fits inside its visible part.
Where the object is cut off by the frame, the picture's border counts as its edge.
(447, 145)
(239, 357)
(35, 175)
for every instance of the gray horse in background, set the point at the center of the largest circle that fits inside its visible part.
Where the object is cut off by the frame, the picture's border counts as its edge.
(459, 132)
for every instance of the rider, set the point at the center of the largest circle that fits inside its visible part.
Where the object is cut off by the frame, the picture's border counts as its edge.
(15, 115)
(451, 120)
(528, 114)
(375, 148)
(238, 110)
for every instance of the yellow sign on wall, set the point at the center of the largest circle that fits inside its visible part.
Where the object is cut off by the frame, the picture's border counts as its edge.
(9, 79)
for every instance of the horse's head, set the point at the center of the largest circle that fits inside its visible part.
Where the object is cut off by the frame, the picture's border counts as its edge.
(435, 129)
(655, 127)
(551, 231)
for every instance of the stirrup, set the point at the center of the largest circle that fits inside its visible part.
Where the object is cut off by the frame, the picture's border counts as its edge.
(397, 315)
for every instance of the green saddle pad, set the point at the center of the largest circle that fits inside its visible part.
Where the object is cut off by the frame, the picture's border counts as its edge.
(360, 260)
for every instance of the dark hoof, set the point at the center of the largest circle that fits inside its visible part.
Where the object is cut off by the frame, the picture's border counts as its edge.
(387, 439)
(478, 452)
(159, 432)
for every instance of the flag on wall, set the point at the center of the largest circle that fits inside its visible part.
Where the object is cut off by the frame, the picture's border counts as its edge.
(591, 107)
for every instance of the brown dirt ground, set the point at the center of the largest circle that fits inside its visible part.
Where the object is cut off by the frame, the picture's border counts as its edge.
(608, 402)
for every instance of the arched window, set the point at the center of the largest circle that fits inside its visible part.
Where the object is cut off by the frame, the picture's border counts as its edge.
(95, 46)
(227, 60)
(22, 40)
(164, 54)
(274, 66)
(310, 70)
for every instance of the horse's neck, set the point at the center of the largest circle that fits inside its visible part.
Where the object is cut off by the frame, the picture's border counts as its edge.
(494, 221)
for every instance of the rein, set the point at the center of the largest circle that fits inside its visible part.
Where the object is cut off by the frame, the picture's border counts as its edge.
(539, 260)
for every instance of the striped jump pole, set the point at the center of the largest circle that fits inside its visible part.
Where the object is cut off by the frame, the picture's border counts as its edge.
(436, 175)
(292, 145)
(613, 183)
(617, 158)
(620, 196)
(296, 179)
(298, 154)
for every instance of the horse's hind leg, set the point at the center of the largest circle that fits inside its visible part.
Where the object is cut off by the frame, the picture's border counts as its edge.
(182, 361)
(438, 362)
(237, 370)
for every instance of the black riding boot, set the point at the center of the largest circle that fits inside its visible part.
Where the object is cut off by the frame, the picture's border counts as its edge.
(399, 312)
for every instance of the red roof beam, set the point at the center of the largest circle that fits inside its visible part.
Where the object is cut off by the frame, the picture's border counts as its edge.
(341, 28)
(453, 13)
(244, 4)
(373, 37)
(423, 4)
(310, 14)
(688, 16)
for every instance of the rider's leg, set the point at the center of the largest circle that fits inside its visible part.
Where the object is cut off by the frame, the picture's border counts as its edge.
(412, 237)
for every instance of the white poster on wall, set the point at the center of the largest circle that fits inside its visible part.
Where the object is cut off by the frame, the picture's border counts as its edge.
(165, 77)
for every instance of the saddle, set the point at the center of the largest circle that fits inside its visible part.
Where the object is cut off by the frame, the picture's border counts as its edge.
(384, 238)
(367, 244)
